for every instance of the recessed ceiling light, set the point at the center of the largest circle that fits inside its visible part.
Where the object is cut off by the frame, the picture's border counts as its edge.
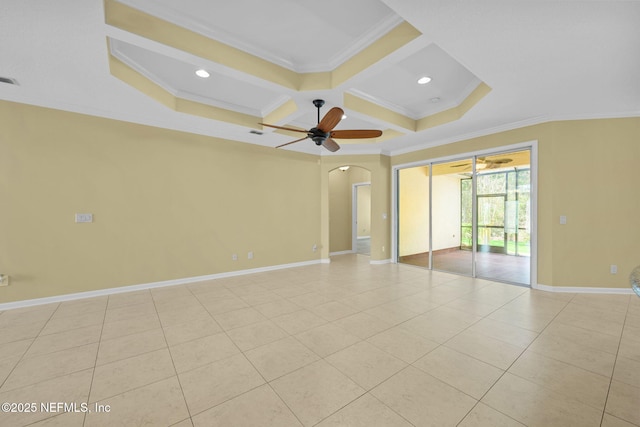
(344, 116)
(424, 80)
(434, 100)
(202, 73)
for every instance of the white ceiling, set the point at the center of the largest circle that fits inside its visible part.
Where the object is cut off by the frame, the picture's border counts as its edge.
(544, 60)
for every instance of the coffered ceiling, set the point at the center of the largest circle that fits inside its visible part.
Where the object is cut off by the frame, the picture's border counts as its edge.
(494, 65)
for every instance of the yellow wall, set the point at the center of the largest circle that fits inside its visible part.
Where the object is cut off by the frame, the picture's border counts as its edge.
(446, 211)
(170, 205)
(363, 197)
(380, 168)
(413, 210)
(166, 204)
(588, 172)
(340, 209)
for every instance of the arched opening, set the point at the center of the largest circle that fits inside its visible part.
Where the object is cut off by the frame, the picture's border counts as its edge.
(349, 210)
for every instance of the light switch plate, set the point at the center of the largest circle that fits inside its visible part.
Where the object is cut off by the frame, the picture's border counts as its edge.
(563, 219)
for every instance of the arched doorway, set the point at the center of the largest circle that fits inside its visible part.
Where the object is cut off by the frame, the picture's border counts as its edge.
(349, 210)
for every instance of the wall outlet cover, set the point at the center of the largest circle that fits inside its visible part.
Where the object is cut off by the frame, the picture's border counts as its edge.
(84, 217)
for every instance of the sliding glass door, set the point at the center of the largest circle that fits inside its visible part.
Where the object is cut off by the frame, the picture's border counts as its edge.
(471, 216)
(504, 217)
(451, 239)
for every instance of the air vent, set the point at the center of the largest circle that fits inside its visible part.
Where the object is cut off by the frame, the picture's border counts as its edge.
(8, 80)
(256, 132)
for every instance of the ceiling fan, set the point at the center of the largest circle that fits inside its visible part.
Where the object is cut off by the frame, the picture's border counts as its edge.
(323, 133)
(483, 163)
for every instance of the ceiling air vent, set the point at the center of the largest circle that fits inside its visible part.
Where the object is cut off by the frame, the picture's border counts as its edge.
(8, 80)
(256, 132)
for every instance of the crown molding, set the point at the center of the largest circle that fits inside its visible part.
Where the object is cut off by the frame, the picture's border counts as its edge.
(175, 16)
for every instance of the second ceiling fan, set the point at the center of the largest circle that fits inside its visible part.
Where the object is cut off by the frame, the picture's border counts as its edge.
(323, 133)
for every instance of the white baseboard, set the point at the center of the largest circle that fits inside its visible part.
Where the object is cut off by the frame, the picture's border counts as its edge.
(132, 288)
(162, 284)
(341, 253)
(582, 290)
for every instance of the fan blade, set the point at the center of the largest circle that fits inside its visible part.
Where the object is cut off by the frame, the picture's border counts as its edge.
(353, 134)
(500, 161)
(292, 142)
(331, 119)
(330, 145)
(283, 128)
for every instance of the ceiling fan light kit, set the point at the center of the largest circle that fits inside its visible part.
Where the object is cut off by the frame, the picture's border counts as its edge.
(323, 133)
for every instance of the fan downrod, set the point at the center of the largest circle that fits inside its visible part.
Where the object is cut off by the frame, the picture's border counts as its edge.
(318, 103)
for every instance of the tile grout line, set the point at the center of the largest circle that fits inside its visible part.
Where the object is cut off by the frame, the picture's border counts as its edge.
(603, 408)
(164, 336)
(360, 291)
(95, 363)
(613, 371)
(27, 350)
(252, 365)
(505, 370)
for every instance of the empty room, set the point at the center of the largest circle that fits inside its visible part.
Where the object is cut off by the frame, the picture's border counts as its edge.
(304, 213)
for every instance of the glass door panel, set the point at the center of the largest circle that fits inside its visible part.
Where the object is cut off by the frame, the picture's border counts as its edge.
(491, 224)
(503, 220)
(451, 216)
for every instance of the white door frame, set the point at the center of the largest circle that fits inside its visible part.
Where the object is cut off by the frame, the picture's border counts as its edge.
(354, 214)
(530, 145)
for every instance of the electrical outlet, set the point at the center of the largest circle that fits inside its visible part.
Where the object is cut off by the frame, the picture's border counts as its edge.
(84, 217)
(613, 269)
(250, 255)
(314, 248)
(4, 280)
(234, 257)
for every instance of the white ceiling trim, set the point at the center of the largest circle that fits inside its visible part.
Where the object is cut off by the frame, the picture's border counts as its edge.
(269, 108)
(383, 103)
(374, 149)
(261, 112)
(226, 105)
(377, 31)
(142, 70)
(471, 135)
(453, 102)
(175, 16)
(117, 35)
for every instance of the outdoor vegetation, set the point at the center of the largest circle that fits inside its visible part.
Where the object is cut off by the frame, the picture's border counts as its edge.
(503, 212)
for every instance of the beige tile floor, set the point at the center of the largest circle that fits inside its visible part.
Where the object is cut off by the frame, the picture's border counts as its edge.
(345, 344)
